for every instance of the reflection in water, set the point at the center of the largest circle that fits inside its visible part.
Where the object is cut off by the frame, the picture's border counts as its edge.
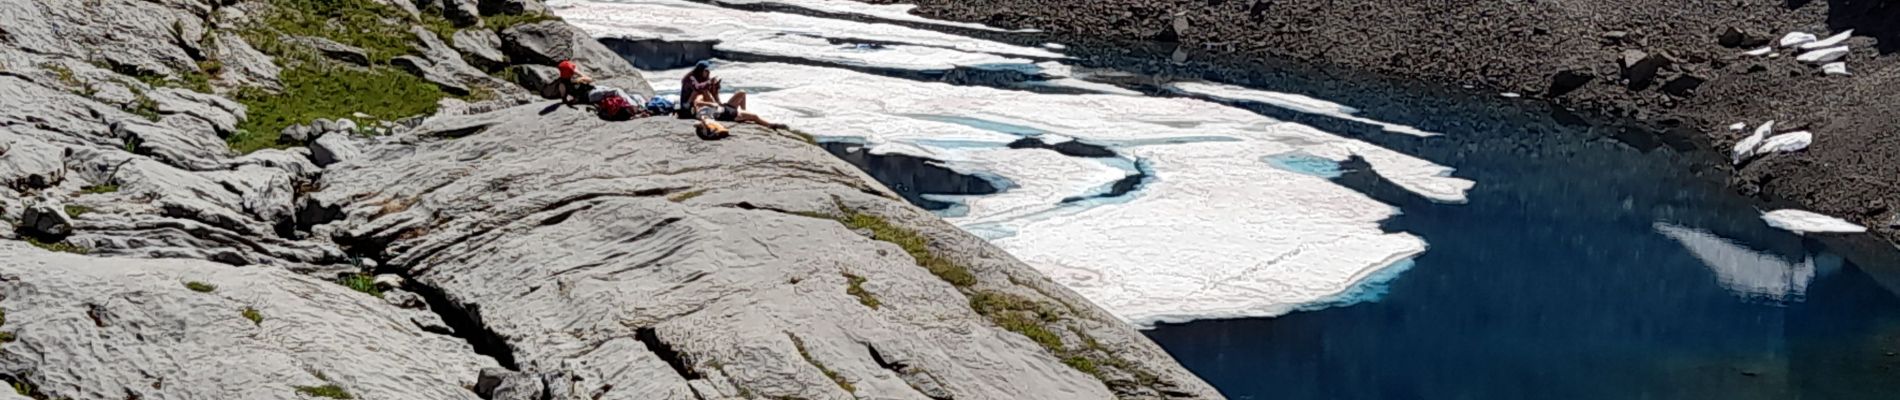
(1747, 272)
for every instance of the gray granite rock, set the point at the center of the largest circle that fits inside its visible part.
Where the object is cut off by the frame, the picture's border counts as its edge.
(332, 149)
(513, 7)
(114, 328)
(481, 46)
(332, 49)
(464, 13)
(550, 42)
(47, 218)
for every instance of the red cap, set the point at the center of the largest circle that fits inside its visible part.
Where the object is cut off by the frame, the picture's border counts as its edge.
(567, 69)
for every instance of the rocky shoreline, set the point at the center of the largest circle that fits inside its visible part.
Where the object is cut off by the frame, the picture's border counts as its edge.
(1629, 63)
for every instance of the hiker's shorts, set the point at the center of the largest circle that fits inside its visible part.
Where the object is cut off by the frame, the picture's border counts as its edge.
(721, 113)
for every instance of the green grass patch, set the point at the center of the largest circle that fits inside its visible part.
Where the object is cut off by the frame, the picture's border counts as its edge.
(684, 196)
(380, 30)
(504, 21)
(7, 337)
(313, 91)
(839, 379)
(326, 391)
(200, 287)
(856, 288)
(100, 189)
(73, 210)
(24, 389)
(911, 242)
(257, 318)
(60, 246)
(64, 74)
(362, 283)
(1083, 364)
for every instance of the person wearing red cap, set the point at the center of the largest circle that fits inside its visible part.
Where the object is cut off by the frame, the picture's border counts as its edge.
(571, 87)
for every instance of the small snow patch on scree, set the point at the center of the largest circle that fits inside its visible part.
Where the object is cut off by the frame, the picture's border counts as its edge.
(1805, 222)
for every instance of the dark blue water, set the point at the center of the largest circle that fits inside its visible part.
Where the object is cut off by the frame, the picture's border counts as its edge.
(1555, 281)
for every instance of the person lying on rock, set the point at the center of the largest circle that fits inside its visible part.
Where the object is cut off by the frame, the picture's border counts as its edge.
(610, 103)
(710, 113)
(701, 82)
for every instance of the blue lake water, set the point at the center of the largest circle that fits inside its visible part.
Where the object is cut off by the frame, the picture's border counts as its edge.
(1556, 281)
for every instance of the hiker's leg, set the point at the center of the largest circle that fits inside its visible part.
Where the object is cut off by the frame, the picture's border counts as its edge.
(737, 100)
(704, 100)
(747, 116)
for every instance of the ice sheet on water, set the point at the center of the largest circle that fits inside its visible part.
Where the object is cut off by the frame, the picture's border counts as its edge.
(1805, 222)
(791, 35)
(893, 12)
(1306, 164)
(1216, 232)
(1746, 272)
(1213, 233)
(1293, 102)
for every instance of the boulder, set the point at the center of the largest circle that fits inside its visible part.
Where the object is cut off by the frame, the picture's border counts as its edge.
(1566, 81)
(1683, 85)
(481, 46)
(428, 71)
(117, 328)
(244, 66)
(490, 7)
(1733, 37)
(550, 42)
(299, 133)
(332, 49)
(464, 13)
(535, 78)
(1640, 67)
(47, 218)
(343, 126)
(502, 384)
(332, 149)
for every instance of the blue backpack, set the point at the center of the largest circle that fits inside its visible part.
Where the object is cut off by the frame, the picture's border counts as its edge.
(659, 105)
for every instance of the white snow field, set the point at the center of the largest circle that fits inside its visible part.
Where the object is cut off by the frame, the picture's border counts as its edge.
(1237, 219)
(1748, 273)
(792, 35)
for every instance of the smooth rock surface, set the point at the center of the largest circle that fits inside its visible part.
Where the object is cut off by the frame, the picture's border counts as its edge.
(550, 42)
(98, 328)
(586, 258)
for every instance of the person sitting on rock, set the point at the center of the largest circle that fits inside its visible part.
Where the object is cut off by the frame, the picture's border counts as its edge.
(567, 87)
(701, 82)
(710, 113)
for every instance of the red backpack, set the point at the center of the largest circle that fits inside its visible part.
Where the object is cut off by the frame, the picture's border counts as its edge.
(614, 108)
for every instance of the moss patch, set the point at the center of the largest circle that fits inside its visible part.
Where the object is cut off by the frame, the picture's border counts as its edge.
(257, 318)
(839, 379)
(504, 21)
(911, 242)
(325, 391)
(684, 196)
(77, 210)
(201, 287)
(856, 288)
(60, 246)
(362, 283)
(100, 189)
